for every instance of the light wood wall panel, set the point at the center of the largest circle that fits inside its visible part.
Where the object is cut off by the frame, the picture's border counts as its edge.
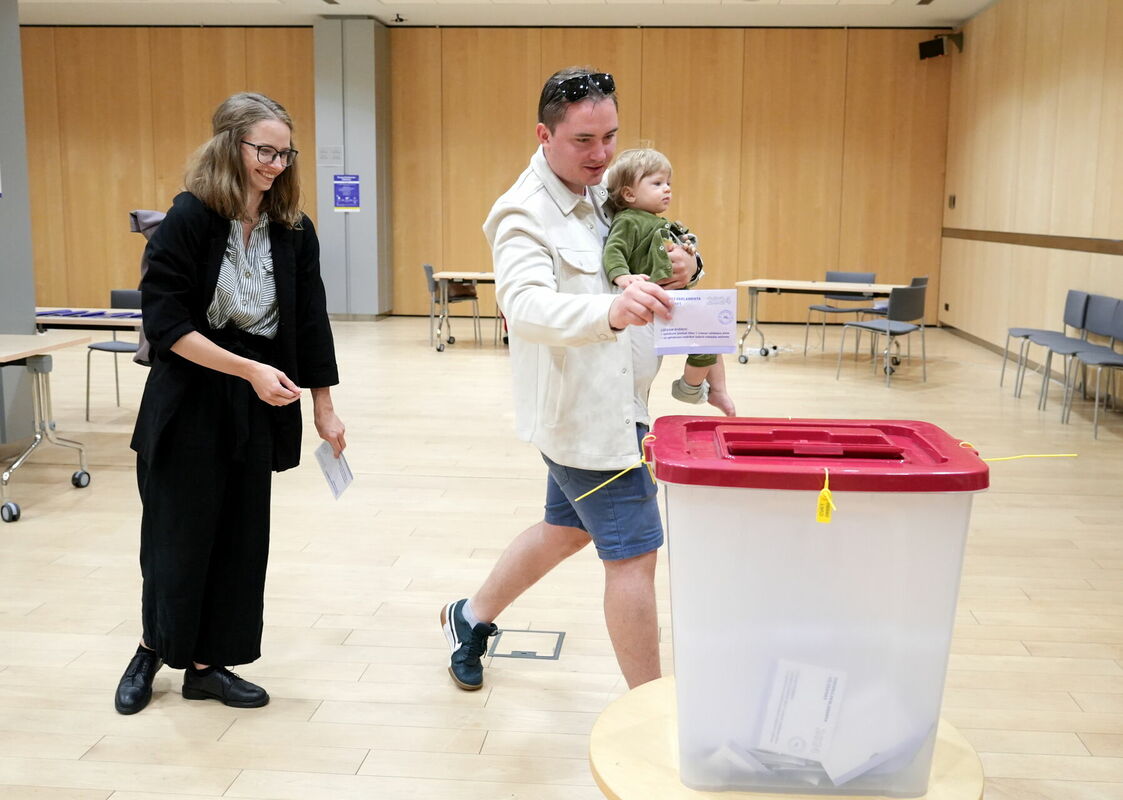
(489, 97)
(416, 138)
(1033, 142)
(791, 159)
(752, 121)
(44, 162)
(112, 116)
(105, 121)
(185, 105)
(280, 63)
(1108, 215)
(691, 112)
(618, 51)
(893, 160)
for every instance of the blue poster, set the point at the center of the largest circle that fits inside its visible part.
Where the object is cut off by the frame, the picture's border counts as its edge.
(346, 190)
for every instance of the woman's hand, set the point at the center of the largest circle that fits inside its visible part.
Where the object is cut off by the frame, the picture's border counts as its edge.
(328, 425)
(271, 385)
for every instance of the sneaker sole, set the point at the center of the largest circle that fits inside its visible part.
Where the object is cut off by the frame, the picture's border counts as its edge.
(453, 646)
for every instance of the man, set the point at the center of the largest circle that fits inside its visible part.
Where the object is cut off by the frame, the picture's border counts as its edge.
(583, 360)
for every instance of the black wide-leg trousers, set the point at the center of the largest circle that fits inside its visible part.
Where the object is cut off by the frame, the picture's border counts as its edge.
(205, 526)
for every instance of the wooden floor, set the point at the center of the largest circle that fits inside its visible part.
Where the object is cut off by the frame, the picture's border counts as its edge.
(353, 654)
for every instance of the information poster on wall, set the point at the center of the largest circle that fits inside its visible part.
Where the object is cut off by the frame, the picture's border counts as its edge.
(346, 192)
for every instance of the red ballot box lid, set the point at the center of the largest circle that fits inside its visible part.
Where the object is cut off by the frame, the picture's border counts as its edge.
(860, 455)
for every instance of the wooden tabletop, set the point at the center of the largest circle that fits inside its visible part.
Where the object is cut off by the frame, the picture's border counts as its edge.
(126, 318)
(633, 751)
(451, 275)
(820, 287)
(14, 346)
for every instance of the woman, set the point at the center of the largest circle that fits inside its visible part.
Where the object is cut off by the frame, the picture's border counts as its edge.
(235, 313)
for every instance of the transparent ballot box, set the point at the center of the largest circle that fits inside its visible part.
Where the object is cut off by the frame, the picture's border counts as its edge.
(811, 644)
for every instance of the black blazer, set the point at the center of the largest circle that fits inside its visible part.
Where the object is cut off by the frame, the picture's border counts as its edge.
(184, 257)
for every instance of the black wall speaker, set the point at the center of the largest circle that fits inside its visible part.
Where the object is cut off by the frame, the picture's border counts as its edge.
(932, 48)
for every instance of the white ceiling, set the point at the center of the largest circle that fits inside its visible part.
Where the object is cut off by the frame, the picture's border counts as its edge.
(594, 13)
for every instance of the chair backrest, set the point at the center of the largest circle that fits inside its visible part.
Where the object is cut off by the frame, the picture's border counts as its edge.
(833, 276)
(1076, 307)
(1117, 324)
(906, 303)
(1101, 310)
(124, 298)
(144, 222)
(429, 279)
(919, 281)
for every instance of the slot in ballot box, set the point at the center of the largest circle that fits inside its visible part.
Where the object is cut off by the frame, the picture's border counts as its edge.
(810, 657)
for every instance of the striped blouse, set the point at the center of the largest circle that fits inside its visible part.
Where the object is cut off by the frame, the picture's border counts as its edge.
(246, 293)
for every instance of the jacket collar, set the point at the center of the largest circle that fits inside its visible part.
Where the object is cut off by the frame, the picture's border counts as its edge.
(565, 199)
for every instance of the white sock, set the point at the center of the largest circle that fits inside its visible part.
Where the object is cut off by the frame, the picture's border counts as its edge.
(469, 614)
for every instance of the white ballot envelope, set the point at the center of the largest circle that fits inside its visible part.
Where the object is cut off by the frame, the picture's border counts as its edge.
(703, 321)
(336, 471)
(802, 710)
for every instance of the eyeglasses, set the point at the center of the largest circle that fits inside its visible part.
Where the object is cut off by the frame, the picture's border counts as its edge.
(267, 154)
(577, 87)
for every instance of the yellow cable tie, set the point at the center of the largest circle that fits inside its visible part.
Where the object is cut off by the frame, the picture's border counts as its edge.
(825, 505)
(642, 460)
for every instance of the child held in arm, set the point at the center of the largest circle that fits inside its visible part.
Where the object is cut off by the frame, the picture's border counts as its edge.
(639, 190)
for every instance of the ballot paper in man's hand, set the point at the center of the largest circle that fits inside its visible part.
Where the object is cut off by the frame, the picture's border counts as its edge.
(336, 471)
(703, 321)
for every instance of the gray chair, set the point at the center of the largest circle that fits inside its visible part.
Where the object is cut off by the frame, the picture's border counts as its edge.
(1102, 357)
(457, 293)
(118, 298)
(1076, 304)
(904, 316)
(881, 307)
(1098, 315)
(826, 309)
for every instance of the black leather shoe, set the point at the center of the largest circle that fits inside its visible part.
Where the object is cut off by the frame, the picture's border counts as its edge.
(225, 686)
(135, 688)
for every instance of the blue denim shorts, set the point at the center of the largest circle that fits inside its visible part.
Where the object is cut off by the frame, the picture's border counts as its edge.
(622, 518)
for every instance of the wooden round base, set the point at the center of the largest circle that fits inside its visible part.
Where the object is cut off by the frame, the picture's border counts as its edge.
(633, 750)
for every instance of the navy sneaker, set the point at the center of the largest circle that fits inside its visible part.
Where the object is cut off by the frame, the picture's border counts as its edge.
(467, 645)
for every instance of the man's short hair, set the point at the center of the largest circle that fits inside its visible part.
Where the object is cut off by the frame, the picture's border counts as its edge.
(552, 104)
(631, 167)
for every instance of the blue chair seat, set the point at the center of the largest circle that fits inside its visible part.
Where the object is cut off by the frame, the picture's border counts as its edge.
(885, 326)
(114, 347)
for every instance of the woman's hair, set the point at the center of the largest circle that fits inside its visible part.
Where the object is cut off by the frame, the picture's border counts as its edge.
(629, 168)
(216, 174)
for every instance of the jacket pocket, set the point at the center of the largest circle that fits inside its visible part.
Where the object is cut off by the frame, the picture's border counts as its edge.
(581, 271)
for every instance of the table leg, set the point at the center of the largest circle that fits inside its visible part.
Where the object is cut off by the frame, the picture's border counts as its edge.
(753, 325)
(442, 321)
(40, 368)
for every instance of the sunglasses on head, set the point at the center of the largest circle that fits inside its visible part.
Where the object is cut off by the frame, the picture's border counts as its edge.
(577, 87)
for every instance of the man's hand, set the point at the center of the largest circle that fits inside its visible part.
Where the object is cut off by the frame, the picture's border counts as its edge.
(640, 302)
(683, 266)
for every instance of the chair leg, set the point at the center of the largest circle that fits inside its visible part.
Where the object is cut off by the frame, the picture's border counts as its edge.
(1005, 358)
(841, 347)
(117, 379)
(88, 354)
(888, 366)
(1096, 407)
(806, 331)
(1043, 397)
(476, 320)
(923, 354)
(1023, 357)
(432, 318)
(1066, 394)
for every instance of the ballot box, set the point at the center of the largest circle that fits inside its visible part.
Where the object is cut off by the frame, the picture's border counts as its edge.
(814, 570)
